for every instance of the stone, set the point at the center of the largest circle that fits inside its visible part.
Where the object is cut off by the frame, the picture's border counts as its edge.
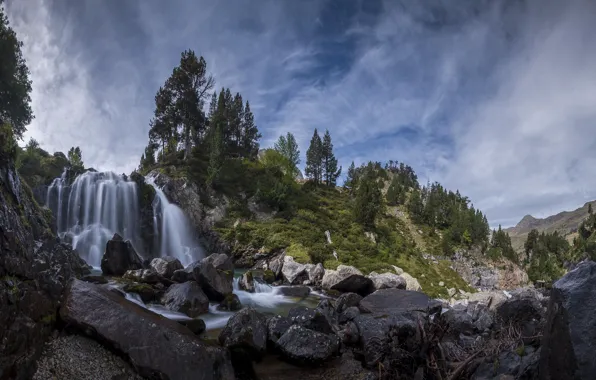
(181, 275)
(315, 273)
(305, 347)
(145, 291)
(156, 346)
(459, 322)
(165, 266)
(489, 299)
(347, 300)
(387, 281)
(216, 284)
(196, 325)
(451, 292)
(119, 257)
(299, 291)
(276, 327)
(522, 307)
(411, 282)
(246, 331)
(398, 270)
(348, 315)
(312, 319)
(230, 303)
(347, 279)
(570, 329)
(187, 298)
(222, 263)
(95, 279)
(147, 276)
(509, 365)
(441, 283)
(293, 272)
(276, 264)
(394, 300)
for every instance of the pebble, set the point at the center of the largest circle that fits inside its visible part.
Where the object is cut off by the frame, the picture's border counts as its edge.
(74, 357)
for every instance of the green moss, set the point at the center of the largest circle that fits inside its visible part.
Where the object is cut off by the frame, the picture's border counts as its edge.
(269, 276)
(49, 319)
(136, 287)
(299, 253)
(521, 350)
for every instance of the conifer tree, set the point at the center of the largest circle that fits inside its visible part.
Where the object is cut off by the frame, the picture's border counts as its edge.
(314, 159)
(288, 147)
(368, 203)
(351, 177)
(394, 192)
(215, 155)
(251, 135)
(330, 170)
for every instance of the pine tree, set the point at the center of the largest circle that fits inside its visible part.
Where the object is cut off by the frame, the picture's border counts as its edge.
(250, 134)
(215, 155)
(15, 85)
(288, 147)
(416, 207)
(351, 177)
(330, 171)
(212, 107)
(590, 208)
(314, 159)
(394, 192)
(369, 198)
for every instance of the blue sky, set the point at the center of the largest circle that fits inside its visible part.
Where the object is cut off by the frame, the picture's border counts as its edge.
(495, 98)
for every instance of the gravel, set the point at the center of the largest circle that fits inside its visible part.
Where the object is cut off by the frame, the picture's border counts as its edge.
(75, 357)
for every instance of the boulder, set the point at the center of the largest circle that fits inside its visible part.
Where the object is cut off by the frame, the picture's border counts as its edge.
(216, 284)
(489, 299)
(315, 273)
(145, 291)
(347, 300)
(230, 303)
(222, 263)
(166, 266)
(276, 264)
(119, 257)
(347, 279)
(187, 298)
(522, 307)
(147, 276)
(306, 347)
(156, 346)
(312, 319)
(411, 282)
(94, 279)
(299, 291)
(246, 331)
(394, 300)
(293, 272)
(276, 327)
(387, 281)
(181, 275)
(348, 315)
(253, 280)
(459, 322)
(196, 325)
(570, 330)
(510, 365)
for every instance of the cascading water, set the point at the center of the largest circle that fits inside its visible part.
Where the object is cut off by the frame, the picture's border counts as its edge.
(173, 228)
(92, 209)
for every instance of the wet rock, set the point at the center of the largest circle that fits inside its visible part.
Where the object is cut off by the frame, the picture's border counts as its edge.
(348, 315)
(156, 346)
(299, 291)
(293, 272)
(312, 319)
(306, 347)
(347, 300)
(387, 281)
(165, 266)
(276, 327)
(230, 303)
(246, 331)
(187, 298)
(196, 325)
(181, 275)
(119, 257)
(570, 330)
(147, 276)
(216, 284)
(347, 279)
(145, 291)
(222, 262)
(394, 300)
(95, 279)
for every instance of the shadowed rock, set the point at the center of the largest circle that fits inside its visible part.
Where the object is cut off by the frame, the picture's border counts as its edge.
(187, 298)
(119, 257)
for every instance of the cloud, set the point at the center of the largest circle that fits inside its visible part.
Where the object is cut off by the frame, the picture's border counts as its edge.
(495, 98)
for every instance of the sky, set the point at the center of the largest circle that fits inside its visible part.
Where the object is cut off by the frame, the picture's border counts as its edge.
(494, 98)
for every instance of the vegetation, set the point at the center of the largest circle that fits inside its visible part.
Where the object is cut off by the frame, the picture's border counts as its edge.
(287, 147)
(545, 254)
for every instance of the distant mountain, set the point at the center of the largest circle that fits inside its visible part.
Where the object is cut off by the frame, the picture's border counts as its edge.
(565, 223)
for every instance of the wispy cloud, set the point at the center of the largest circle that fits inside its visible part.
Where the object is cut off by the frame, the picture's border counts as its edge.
(496, 98)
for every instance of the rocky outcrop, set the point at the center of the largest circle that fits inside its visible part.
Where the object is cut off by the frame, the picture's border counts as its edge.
(187, 298)
(570, 331)
(165, 266)
(157, 347)
(216, 284)
(306, 347)
(293, 273)
(119, 257)
(347, 279)
(387, 281)
(34, 270)
(484, 274)
(246, 331)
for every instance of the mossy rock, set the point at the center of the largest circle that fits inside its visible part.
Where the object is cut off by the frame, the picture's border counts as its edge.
(269, 276)
(145, 291)
(231, 302)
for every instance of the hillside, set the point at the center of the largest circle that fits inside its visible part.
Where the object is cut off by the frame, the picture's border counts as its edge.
(565, 223)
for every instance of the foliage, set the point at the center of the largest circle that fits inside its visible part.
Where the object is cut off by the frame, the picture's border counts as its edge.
(350, 177)
(37, 167)
(314, 159)
(75, 159)
(330, 169)
(545, 254)
(369, 202)
(15, 89)
(501, 245)
(288, 148)
(8, 144)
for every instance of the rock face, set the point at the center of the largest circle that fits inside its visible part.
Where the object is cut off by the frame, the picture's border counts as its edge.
(119, 257)
(394, 300)
(166, 266)
(307, 347)
(347, 279)
(187, 298)
(246, 331)
(293, 272)
(34, 270)
(387, 281)
(570, 331)
(216, 284)
(156, 346)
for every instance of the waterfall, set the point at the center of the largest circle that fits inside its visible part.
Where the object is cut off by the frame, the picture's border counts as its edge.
(92, 209)
(174, 230)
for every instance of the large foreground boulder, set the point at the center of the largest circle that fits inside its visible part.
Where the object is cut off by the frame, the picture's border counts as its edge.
(166, 266)
(156, 346)
(394, 300)
(246, 331)
(215, 283)
(119, 257)
(347, 279)
(570, 332)
(306, 347)
(187, 298)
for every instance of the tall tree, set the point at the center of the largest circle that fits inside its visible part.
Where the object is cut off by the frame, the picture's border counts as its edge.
(75, 158)
(329, 162)
(288, 147)
(314, 159)
(251, 135)
(351, 177)
(369, 198)
(15, 85)
(215, 155)
(162, 126)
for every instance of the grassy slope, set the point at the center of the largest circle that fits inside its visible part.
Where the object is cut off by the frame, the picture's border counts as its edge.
(329, 209)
